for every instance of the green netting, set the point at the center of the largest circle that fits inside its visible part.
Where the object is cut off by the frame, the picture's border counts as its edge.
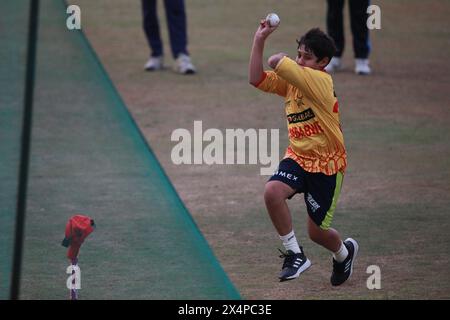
(88, 157)
(13, 39)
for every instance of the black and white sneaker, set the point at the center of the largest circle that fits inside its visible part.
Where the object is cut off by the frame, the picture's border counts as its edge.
(293, 265)
(342, 271)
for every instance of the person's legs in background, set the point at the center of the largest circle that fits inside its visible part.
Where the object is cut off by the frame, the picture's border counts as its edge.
(335, 28)
(177, 24)
(176, 20)
(361, 44)
(152, 33)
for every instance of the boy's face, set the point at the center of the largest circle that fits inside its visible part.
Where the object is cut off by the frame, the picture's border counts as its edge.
(306, 58)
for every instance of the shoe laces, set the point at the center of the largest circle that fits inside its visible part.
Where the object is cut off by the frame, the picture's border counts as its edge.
(289, 258)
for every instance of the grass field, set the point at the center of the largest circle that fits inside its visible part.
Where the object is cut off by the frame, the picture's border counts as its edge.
(395, 199)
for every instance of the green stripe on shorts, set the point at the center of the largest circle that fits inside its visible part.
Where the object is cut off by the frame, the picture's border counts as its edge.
(337, 191)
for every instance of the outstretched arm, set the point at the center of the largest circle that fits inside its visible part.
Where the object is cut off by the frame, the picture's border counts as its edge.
(256, 70)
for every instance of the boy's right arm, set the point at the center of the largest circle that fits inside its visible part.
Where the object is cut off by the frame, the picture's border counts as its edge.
(256, 70)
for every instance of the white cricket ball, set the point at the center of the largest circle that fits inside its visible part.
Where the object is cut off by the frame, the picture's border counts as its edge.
(273, 19)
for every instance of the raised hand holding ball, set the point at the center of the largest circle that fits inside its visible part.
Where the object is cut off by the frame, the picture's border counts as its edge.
(273, 20)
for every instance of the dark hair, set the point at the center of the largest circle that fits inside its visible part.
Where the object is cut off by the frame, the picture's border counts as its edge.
(317, 41)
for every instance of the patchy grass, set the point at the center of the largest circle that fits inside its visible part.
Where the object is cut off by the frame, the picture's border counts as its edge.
(395, 198)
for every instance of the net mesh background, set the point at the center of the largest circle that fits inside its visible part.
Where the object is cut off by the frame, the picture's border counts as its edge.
(88, 157)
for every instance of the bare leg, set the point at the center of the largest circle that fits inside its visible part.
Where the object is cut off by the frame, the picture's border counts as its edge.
(330, 239)
(275, 195)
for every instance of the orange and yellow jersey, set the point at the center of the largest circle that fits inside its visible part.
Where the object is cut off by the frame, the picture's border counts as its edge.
(316, 142)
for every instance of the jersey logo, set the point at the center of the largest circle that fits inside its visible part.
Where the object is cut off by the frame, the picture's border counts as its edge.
(300, 117)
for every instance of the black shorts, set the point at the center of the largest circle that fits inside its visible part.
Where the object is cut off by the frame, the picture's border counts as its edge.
(321, 191)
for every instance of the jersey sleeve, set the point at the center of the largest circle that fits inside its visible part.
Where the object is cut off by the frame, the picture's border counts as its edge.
(316, 84)
(272, 83)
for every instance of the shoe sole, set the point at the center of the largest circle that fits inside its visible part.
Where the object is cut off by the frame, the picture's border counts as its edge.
(303, 268)
(355, 253)
(153, 69)
(186, 72)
